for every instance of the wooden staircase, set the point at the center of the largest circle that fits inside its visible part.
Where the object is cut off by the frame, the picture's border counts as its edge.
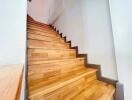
(56, 73)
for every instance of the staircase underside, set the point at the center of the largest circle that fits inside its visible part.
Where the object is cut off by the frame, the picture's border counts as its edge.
(56, 73)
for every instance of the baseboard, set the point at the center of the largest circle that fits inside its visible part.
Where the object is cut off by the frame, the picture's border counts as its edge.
(119, 93)
(99, 75)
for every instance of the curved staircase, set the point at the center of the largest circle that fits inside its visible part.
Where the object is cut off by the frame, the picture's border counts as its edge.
(56, 73)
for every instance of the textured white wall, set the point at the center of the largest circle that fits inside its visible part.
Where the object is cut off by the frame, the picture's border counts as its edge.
(98, 36)
(55, 10)
(39, 10)
(70, 23)
(122, 21)
(12, 31)
(87, 24)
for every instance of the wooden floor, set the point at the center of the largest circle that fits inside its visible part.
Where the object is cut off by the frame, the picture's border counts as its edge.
(54, 71)
(10, 77)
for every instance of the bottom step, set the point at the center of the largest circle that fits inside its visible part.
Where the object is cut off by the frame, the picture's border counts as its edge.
(97, 91)
(65, 86)
(80, 86)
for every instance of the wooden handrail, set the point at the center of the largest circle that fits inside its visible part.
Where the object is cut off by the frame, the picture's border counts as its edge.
(10, 81)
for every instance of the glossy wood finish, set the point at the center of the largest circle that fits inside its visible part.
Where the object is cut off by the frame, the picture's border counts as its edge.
(46, 38)
(97, 91)
(10, 82)
(50, 54)
(56, 73)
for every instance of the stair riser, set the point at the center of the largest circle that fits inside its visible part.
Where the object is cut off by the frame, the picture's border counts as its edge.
(50, 54)
(45, 38)
(45, 44)
(64, 92)
(39, 26)
(31, 22)
(41, 29)
(29, 19)
(44, 33)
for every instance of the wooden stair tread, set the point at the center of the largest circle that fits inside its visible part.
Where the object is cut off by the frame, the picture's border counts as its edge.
(43, 33)
(32, 21)
(35, 31)
(46, 70)
(10, 79)
(39, 26)
(45, 38)
(42, 78)
(50, 54)
(97, 91)
(38, 23)
(32, 27)
(42, 29)
(54, 61)
(44, 44)
(62, 82)
(48, 42)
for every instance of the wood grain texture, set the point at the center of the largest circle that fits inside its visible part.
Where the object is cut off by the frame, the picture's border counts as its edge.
(97, 91)
(57, 72)
(46, 38)
(10, 78)
(43, 33)
(61, 83)
(50, 54)
(44, 44)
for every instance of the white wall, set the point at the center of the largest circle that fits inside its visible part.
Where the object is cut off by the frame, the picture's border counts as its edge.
(98, 36)
(13, 33)
(70, 23)
(122, 21)
(56, 7)
(87, 24)
(39, 10)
